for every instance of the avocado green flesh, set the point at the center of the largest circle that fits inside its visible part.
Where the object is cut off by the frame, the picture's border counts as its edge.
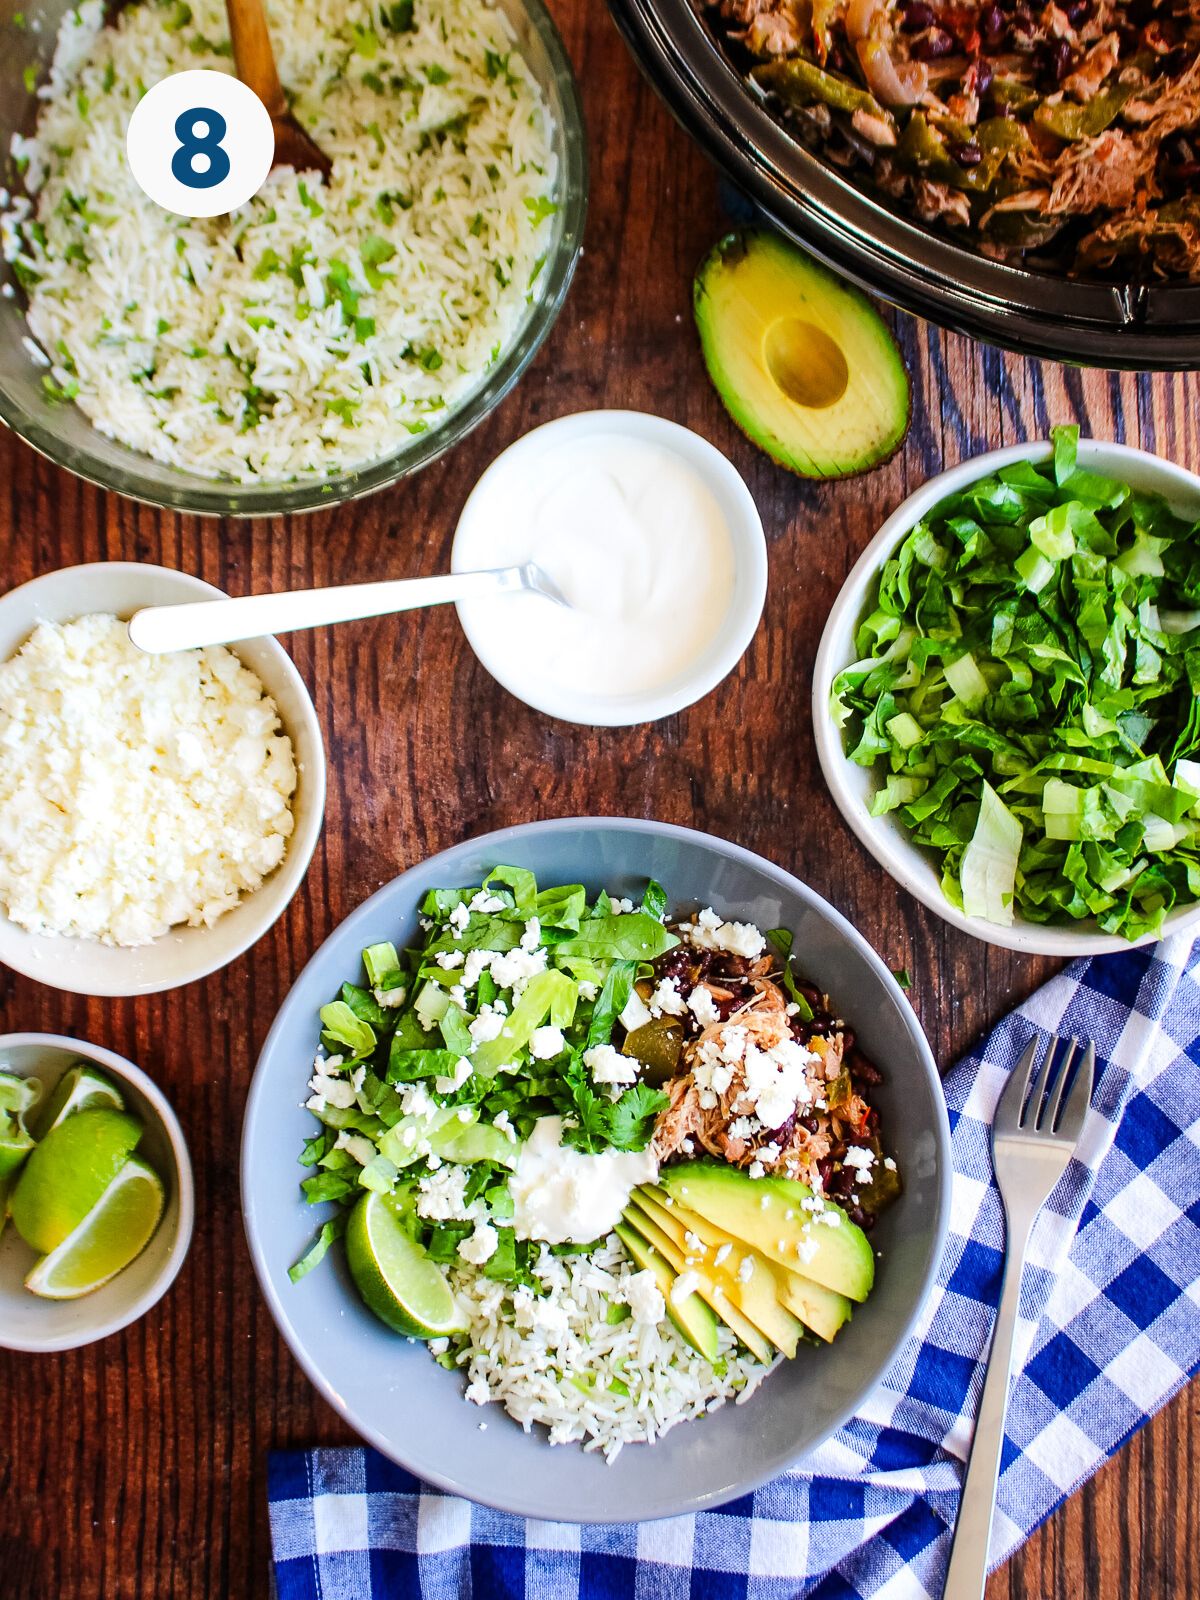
(695, 1321)
(767, 1213)
(757, 1299)
(804, 364)
(821, 1310)
(733, 1319)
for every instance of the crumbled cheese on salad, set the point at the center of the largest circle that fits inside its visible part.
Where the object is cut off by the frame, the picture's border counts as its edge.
(454, 1081)
(608, 1065)
(481, 1246)
(644, 1298)
(488, 1025)
(485, 903)
(708, 932)
(703, 1007)
(860, 1157)
(546, 1043)
(685, 1284)
(667, 998)
(442, 1196)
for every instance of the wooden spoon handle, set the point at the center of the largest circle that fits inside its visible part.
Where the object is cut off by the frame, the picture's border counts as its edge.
(253, 55)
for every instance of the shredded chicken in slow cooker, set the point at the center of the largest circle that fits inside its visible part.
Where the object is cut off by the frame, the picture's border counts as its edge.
(1069, 134)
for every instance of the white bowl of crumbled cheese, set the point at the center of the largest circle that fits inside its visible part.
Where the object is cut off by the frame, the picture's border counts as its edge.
(157, 813)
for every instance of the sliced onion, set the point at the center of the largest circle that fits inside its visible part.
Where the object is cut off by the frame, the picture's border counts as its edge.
(892, 85)
(859, 16)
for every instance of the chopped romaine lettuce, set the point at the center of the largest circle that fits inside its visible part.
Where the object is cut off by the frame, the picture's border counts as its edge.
(1028, 689)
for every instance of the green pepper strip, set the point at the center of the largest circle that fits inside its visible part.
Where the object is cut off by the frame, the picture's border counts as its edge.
(1012, 94)
(1068, 121)
(801, 82)
(923, 148)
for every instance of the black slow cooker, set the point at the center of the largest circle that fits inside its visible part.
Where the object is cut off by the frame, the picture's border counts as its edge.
(1135, 325)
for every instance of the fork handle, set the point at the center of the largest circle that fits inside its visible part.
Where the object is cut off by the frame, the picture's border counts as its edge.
(967, 1576)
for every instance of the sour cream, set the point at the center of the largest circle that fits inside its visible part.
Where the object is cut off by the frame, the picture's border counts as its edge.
(633, 525)
(562, 1195)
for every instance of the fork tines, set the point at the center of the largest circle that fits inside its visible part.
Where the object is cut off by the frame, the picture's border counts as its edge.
(1061, 1090)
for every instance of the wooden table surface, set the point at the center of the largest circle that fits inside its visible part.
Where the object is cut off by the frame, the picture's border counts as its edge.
(137, 1467)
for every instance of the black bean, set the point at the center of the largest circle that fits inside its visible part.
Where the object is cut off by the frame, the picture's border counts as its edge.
(933, 45)
(1062, 59)
(916, 15)
(1079, 12)
(784, 1131)
(810, 1123)
(993, 26)
(862, 1070)
(967, 155)
(983, 76)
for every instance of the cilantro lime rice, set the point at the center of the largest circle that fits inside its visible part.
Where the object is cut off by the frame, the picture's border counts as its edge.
(1029, 692)
(317, 327)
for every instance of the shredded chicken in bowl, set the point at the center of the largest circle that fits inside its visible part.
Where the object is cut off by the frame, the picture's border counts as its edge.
(767, 1082)
(1069, 135)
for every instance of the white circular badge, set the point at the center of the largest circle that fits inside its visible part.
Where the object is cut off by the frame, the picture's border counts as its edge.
(200, 143)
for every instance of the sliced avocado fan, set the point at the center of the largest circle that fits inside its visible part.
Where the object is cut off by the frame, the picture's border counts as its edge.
(804, 364)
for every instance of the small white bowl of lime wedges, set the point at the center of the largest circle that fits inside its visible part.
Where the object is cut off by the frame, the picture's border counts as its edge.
(96, 1196)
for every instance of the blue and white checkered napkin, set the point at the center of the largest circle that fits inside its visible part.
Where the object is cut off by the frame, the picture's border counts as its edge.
(1110, 1329)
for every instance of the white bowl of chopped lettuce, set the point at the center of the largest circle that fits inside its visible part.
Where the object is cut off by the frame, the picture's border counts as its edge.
(1007, 696)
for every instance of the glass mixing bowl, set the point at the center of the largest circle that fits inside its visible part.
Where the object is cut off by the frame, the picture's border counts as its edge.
(65, 435)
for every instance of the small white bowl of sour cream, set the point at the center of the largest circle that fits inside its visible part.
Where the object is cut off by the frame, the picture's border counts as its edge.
(654, 540)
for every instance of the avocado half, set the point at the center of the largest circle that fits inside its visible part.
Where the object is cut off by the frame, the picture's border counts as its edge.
(804, 364)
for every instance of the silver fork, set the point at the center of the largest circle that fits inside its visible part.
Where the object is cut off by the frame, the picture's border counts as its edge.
(1034, 1135)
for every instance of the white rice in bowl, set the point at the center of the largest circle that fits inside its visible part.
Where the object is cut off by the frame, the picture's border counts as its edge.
(314, 329)
(564, 1361)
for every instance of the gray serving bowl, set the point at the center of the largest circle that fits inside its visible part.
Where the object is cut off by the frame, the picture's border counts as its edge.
(391, 1391)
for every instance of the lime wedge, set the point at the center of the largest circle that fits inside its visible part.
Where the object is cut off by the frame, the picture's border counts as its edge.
(16, 1097)
(67, 1173)
(80, 1089)
(395, 1277)
(117, 1228)
(18, 1094)
(6, 1188)
(15, 1145)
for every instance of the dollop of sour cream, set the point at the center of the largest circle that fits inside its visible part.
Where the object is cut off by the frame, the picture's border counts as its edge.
(634, 538)
(565, 1196)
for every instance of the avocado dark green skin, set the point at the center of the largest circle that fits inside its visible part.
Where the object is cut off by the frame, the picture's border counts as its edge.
(721, 266)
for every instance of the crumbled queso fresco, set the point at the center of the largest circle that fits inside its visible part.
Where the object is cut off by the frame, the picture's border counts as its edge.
(137, 792)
